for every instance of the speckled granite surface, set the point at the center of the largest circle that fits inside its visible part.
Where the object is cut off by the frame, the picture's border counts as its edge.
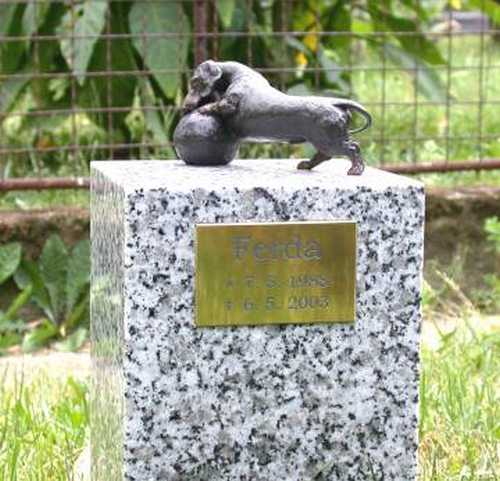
(294, 403)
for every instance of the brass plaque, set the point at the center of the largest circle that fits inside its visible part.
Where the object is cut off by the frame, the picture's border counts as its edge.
(275, 273)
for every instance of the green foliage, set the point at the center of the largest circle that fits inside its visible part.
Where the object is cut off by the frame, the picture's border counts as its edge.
(58, 283)
(492, 228)
(11, 328)
(167, 52)
(23, 200)
(432, 123)
(51, 270)
(460, 407)
(159, 53)
(10, 257)
(39, 336)
(42, 427)
(145, 106)
(489, 298)
(489, 7)
(85, 22)
(74, 341)
(226, 8)
(34, 16)
(428, 81)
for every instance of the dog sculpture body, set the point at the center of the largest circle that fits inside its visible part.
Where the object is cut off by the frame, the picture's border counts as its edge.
(255, 111)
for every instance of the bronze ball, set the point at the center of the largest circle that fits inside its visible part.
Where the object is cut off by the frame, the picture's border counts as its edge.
(202, 140)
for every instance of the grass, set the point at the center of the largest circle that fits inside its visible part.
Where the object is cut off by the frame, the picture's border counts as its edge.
(42, 428)
(414, 117)
(43, 423)
(22, 200)
(461, 179)
(460, 408)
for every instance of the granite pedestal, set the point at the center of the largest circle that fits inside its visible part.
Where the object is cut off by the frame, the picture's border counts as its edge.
(173, 402)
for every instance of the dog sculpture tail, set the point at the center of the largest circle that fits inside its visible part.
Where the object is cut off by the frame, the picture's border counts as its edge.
(351, 105)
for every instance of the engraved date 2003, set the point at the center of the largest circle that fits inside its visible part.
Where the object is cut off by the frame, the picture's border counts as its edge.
(294, 302)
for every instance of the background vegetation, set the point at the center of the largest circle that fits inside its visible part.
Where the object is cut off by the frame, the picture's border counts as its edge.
(38, 110)
(56, 286)
(459, 410)
(43, 424)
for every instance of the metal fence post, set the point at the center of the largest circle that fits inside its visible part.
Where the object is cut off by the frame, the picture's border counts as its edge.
(200, 31)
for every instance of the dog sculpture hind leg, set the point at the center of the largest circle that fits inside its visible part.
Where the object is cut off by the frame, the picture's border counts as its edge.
(339, 142)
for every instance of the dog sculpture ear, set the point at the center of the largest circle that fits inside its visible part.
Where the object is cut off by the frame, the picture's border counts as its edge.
(211, 70)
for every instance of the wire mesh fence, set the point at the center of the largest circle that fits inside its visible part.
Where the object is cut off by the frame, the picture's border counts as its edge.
(95, 79)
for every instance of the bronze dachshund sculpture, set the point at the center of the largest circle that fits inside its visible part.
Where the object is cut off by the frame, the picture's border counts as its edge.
(229, 102)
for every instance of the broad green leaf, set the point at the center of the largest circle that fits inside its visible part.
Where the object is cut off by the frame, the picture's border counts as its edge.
(74, 341)
(19, 301)
(161, 53)
(416, 43)
(22, 277)
(489, 7)
(48, 59)
(117, 91)
(303, 15)
(12, 52)
(360, 26)
(153, 117)
(297, 44)
(9, 339)
(226, 10)
(332, 69)
(7, 325)
(10, 257)
(6, 15)
(85, 21)
(425, 10)
(78, 274)
(10, 90)
(39, 336)
(34, 16)
(427, 80)
(337, 17)
(29, 274)
(492, 229)
(243, 17)
(423, 48)
(78, 315)
(53, 265)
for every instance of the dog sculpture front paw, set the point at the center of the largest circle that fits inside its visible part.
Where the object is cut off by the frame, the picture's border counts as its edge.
(205, 110)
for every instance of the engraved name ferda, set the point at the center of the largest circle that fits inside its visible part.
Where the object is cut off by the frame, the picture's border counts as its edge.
(294, 249)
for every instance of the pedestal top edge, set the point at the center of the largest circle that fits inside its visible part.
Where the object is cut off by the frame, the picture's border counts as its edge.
(245, 174)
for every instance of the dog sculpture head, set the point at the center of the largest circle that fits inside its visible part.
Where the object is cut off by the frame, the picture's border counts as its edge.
(201, 85)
